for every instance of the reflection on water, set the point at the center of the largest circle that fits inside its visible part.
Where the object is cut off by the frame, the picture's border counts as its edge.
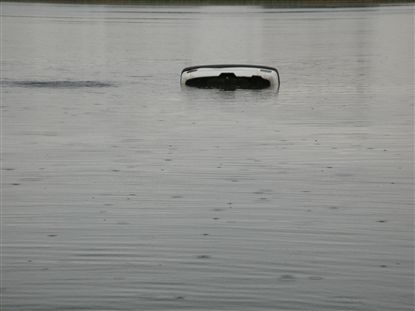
(121, 190)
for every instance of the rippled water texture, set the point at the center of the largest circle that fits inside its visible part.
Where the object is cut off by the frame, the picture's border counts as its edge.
(56, 84)
(123, 191)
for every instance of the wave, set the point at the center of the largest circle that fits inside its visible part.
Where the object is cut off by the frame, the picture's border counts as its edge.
(57, 84)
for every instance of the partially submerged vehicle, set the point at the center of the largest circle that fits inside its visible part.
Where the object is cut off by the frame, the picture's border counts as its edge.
(231, 77)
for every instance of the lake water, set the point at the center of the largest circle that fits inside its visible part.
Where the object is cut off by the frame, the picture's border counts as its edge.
(123, 191)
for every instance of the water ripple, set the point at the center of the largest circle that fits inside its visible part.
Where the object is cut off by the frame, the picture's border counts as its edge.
(58, 84)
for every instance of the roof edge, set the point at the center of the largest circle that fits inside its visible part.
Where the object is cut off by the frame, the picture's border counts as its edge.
(229, 65)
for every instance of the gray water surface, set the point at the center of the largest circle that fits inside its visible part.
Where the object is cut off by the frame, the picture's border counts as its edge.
(123, 191)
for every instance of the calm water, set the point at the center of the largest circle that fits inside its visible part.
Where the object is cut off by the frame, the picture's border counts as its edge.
(123, 191)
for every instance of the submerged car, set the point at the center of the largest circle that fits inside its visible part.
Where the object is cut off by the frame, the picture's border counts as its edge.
(231, 77)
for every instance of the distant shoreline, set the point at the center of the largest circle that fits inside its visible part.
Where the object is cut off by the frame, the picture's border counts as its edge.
(265, 3)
